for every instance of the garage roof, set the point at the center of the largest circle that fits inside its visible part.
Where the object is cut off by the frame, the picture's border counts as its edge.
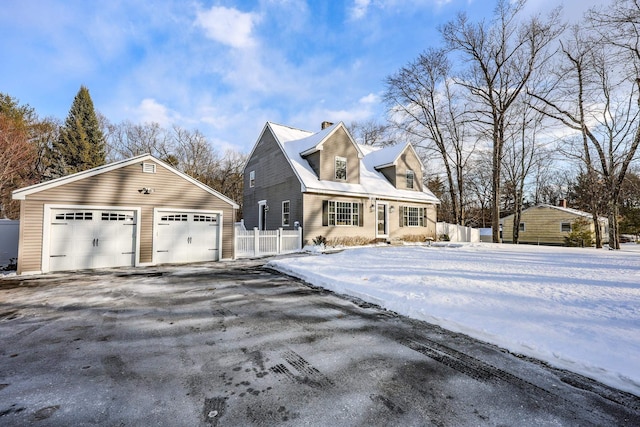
(22, 193)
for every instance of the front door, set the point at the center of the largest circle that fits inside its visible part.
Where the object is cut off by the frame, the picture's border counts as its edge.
(382, 220)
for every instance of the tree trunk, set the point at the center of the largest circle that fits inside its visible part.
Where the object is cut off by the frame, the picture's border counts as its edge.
(598, 232)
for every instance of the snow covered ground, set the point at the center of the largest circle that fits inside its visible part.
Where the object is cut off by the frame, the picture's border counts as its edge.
(577, 309)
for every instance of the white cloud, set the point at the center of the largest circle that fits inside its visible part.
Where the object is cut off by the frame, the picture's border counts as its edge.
(151, 110)
(372, 98)
(359, 9)
(228, 26)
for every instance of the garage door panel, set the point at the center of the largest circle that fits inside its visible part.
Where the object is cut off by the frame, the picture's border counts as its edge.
(91, 238)
(186, 237)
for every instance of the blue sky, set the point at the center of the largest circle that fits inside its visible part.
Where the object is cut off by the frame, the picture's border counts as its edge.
(222, 67)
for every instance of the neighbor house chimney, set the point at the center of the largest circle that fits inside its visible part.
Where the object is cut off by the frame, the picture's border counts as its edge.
(325, 125)
(562, 203)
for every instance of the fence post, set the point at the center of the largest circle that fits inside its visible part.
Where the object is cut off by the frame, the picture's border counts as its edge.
(256, 241)
(279, 241)
(299, 238)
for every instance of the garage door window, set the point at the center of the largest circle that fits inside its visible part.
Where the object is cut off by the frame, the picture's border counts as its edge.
(112, 216)
(81, 216)
(177, 217)
(205, 218)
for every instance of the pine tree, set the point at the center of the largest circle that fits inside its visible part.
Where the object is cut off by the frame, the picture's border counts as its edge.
(81, 144)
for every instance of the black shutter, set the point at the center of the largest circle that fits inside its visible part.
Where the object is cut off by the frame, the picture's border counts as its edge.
(360, 215)
(325, 213)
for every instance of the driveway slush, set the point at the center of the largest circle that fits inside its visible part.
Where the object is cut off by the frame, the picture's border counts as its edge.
(232, 344)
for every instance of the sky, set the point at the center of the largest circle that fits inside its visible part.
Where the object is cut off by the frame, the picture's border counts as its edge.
(223, 67)
(575, 308)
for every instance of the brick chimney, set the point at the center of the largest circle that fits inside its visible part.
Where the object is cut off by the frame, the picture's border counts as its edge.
(562, 203)
(325, 125)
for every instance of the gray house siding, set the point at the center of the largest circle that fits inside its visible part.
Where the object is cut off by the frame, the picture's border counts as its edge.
(275, 182)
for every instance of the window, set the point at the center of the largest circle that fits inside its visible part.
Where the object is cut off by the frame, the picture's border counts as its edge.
(113, 216)
(413, 216)
(79, 216)
(205, 218)
(521, 227)
(565, 226)
(341, 168)
(252, 179)
(177, 217)
(343, 213)
(410, 179)
(285, 213)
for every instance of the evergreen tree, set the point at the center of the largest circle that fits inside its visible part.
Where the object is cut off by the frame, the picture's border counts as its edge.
(81, 144)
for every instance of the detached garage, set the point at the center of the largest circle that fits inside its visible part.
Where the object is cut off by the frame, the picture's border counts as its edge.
(135, 212)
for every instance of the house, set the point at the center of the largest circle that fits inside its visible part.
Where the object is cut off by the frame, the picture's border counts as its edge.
(333, 187)
(134, 212)
(548, 224)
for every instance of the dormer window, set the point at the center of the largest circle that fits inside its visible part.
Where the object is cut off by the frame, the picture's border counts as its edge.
(410, 177)
(341, 168)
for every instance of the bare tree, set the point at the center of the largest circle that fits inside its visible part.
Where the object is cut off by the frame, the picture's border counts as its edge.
(523, 152)
(129, 139)
(425, 105)
(600, 99)
(502, 55)
(371, 132)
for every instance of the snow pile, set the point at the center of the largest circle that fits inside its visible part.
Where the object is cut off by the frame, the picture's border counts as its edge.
(577, 309)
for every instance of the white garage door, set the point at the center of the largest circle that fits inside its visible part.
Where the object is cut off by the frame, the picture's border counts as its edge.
(91, 238)
(186, 236)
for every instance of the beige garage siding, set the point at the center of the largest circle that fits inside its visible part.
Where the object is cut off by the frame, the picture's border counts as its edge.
(120, 187)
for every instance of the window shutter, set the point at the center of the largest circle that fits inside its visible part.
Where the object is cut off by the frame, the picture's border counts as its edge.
(360, 214)
(325, 213)
(424, 217)
(401, 215)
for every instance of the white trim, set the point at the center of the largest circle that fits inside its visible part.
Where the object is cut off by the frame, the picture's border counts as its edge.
(46, 228)
(282, 213)
(156, 219)
(261, 203)
(336, 159)
(386, 219)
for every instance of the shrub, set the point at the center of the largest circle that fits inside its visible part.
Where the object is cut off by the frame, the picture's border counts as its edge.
(320, 240)
(580, 234)
(349, 241)
(444, 238)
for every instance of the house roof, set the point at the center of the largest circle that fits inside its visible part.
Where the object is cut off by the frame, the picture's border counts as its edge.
(22, 193)
(569, 211)
(296, 143)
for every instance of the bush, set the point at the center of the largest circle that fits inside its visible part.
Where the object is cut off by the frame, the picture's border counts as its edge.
(416, 238)
(349, 241)
(580, 234)
(320, 241)
(444, 238)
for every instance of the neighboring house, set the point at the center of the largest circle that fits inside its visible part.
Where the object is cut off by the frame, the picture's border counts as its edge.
(333, 187)
(548, 224)
(135, 212)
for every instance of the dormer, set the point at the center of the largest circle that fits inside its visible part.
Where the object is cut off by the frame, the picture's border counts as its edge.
(333, 154)
(401, 166)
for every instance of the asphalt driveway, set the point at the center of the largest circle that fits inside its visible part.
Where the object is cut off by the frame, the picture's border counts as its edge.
(233, 344)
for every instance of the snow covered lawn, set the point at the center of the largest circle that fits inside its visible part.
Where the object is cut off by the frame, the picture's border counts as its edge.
(577, 309)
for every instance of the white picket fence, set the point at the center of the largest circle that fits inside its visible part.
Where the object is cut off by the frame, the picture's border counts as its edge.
(252, 243)
(458, 233)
